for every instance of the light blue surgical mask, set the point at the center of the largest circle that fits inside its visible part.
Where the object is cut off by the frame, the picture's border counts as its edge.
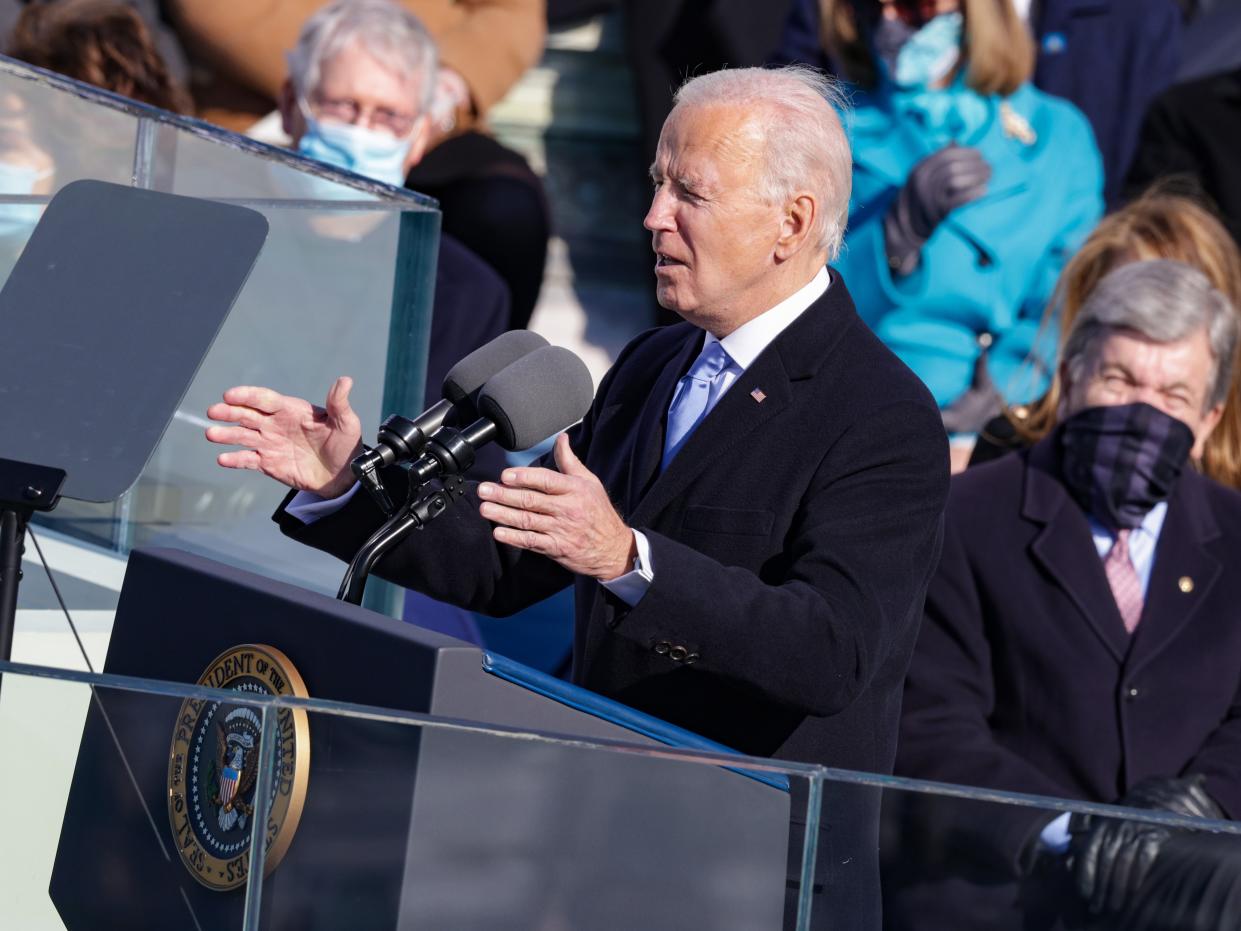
(370, 152)
(923, 57)
(19, 219)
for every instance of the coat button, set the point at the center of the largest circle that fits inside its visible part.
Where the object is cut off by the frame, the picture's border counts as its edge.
(1185, 584)
(1131, 694)
(662, 647)
(678, 654)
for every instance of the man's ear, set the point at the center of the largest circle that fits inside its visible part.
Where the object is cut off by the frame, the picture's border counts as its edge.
(1210, 420)
(419, 137)
(291, 119)
(796, 225)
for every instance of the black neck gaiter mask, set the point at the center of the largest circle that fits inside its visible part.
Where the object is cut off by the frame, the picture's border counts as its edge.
(1119, 462)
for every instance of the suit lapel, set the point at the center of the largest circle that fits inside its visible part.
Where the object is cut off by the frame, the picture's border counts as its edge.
(798, 352)
(733, 417)
(1181, 561)
(1066, 551)
(649, 445)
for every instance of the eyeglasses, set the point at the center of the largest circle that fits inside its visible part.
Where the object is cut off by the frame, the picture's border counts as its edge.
(914, 12)
(348, 110)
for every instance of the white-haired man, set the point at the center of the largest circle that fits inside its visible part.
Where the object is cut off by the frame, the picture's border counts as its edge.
(357, 97)
(750, 511)
(1081, 641)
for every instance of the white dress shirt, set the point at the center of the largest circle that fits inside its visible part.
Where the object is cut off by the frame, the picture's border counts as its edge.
(743, 346)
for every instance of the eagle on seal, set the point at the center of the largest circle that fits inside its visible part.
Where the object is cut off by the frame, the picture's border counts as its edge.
(237, 739)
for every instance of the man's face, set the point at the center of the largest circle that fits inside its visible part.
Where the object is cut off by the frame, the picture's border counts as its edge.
(356, 88)
(712, 235)
(1176, 378)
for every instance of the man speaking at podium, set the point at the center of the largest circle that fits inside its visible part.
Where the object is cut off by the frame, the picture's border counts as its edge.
(750, 510)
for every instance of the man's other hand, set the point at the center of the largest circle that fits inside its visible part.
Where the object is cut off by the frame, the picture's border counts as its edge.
(566, 516)
(1112, 857)
(297, 443)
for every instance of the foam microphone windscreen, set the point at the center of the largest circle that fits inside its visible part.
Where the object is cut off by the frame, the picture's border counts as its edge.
(471, 373)
(538, 395)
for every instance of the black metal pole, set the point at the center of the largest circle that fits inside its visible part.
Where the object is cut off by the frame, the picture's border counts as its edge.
(391, 533)
(413, 516)
(12, 538)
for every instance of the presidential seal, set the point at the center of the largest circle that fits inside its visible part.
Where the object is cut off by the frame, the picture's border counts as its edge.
(213, 768)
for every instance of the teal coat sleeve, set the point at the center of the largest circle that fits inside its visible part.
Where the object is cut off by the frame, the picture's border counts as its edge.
(988, 272)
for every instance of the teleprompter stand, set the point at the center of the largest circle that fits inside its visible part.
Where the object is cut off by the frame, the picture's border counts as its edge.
(104, 320)
(24, 489)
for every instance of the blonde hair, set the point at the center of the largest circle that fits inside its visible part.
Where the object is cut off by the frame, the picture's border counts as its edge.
(1158, 225)
(996, 48)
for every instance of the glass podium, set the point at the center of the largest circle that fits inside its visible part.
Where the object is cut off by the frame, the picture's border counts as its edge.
(343, 286)
(535, 831)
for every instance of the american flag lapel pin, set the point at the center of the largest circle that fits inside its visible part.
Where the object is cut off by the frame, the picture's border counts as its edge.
(758, 395)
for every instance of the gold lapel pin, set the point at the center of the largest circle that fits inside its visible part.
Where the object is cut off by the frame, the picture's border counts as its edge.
(1185, 584)
(758, 395)
(1016, 126)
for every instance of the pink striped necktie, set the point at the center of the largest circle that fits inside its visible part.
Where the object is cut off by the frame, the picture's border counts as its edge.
(1123, 578)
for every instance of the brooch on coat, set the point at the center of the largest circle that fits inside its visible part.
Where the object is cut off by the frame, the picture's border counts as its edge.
(1016, 126)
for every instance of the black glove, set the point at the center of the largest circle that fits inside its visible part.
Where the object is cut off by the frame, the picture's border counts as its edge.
(1112, 857)
(951, 178)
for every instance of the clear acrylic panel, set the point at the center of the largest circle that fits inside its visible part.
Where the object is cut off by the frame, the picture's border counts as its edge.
(967, 858)
(378, 819)
(343, 286)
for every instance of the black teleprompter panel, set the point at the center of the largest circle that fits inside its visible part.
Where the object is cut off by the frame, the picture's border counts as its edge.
(104, 321)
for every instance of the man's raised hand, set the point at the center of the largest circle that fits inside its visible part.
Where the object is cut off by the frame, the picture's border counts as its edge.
(564, 515)
(297, 443)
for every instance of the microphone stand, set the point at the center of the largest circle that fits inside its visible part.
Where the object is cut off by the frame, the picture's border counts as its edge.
(448, 454)
(414, 515)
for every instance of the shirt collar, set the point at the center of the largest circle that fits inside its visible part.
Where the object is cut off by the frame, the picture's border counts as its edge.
(744, 344)
(1150, 527)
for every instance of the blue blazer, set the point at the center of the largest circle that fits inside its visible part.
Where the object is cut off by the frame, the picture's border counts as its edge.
(988, 271)
(1109, 57)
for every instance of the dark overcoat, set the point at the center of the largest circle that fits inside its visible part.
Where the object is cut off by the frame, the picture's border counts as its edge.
(1024, 678)
(792, 539)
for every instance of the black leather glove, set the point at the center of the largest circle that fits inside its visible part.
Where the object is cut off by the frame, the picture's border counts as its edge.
(950, 178)
(1112, 857)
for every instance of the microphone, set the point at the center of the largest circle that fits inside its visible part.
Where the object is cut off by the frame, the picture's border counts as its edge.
(401, 439)
(536, 396)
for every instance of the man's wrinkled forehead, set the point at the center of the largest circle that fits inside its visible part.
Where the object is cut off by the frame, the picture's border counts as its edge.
(715, 134)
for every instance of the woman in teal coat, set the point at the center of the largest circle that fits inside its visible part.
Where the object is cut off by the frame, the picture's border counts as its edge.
(970, 190)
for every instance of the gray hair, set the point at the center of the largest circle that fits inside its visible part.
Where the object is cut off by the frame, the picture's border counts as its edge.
(387, 31)
(798, 109)
(1164, 301)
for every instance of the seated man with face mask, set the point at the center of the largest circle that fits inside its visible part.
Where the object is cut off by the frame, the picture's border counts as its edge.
(360, 83)
(1082, 639)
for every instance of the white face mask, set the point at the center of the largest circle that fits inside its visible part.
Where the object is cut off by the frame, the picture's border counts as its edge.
(919, 57)
(374, 153)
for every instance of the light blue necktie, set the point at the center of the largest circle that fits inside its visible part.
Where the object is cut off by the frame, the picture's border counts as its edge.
(696, 394)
